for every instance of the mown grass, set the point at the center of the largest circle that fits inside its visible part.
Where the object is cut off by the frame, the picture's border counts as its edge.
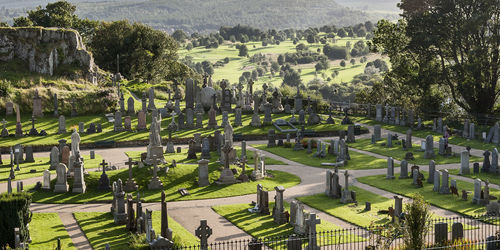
(45, 229)
(358, 160)
(446, 201)
(397, 152)
(263, 226)
(185, 175)
(40, 164)
(100, 229)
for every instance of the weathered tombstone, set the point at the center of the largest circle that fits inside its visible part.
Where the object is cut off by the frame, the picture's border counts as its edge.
(390, 168)
(130, 106)
(271, 136)
(46, 180)
(408, 142)
(81, 127)
(389, 140)
(457, 231)
(429, 147)
(441, 150)
(350, 134)
(205, 149)
(465, 131)
(398, 206)
(151, 95)
(29, 154)
(437, 181)
(445, 188)
(378, 112)
(494, 160)
(130, 185)
(62, 182)
(404, 170)
(432, 170)
(155, 182)
(464, 163)
(203, 173)
(79, 181)
(346, 193)
(9, 108)
(486, 162)
(226, 176)
(279, 215)
(472, 131)
(127, 123)
(62, 125)
(118, 205)
(477, 191)
(141, 121)
(37, 105)
(190, 93)
(311, 223)
(118, 127)
(377, 132)
(440, 232)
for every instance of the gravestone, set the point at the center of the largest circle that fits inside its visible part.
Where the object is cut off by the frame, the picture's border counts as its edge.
(79, 181)
(267, 114)
(54, 158)
(212, 122)
(37, 105)
(464, 163)
(494, 160)
(226, 176)
(279, 215)
(151, 97)
(203, 173)
(408, 142)
(189, 118)
(311, 223)
(154, 147)
(130, 185)
(46, 180)
(9, 108)
(237, 117)
(29, 154)
(271, 136)
(475, 167)
(445, 188)
(118, 205)
(346, 193)
(429, 147)
(486, 162)
(130, 106)
(127, 123)
(189, 94)
(441, 150)
(62, 125)
(205, 149)
(440, 233)
(404, 170)
(104, 179)
(199, 120)
(302, 117)
(225, 119)
(390, 168)
(118, 127)
(432, 170)
(457, 231)
(141, 121)
(203, 232)
(155, 182)
(377, 132)
(472, 131)
(350, 134)
(62, 182)
(465, 131)
(437, 181)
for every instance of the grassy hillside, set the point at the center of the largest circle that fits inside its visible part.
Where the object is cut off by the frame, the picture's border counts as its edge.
(202, 16)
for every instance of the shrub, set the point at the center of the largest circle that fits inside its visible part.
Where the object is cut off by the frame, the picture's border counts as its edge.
(14, 212)
(416, 223)
(287, 144)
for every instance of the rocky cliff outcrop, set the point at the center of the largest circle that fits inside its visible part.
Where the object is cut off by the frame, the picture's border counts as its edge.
(46, 49)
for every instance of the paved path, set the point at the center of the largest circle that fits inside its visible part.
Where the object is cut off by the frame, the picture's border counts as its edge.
(189, 213)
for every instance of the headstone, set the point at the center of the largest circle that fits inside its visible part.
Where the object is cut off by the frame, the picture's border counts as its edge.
(118, 127)
(203, 232)
(398, 206)
(46, 180)
(437, 181)
(390, 168)
(475, 167)
(465, 132)
(130, 185)
(205, 149)
(441, 150)
(190, 93)
(226, 176)
(493, 168)
(350, 134)
(118, 205)
(472, 131)
(389, 140)
(79, 181)
(408, 139)
(404, 170)
(237, 117)
(37, 105)
(141, 121)
(440, 233)
(203, 173)
(378, 114)
(457, 231)
(279, 215)
(271, 136)
(104, 179)
(377, 132)
(154, 147)
(130, 106)
(62, 125)
(151, 97)
(155, 182)
(445, 188)
(267, 114)
(477, 191)
(62, 182)
(346, 193)
(212, 122)
(429, 147)
(9, 108)
(464, 163)
(432, 170)
(486, 162)
(29, 154)
(311, 223)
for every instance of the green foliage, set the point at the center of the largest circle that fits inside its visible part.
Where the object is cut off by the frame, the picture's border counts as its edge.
(335, 52)
(145, 53)
(242, 50)
(22, 22)
(179, 36)
(15, 212)
(58, 14)
(417, 223)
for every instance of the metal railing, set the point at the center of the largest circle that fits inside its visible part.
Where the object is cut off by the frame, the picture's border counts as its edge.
(456, 232)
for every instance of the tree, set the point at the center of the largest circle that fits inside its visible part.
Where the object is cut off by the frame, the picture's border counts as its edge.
(300, 47)
(189, 46)
(311, 38)
(452, 44)
(342, 33)
(417, 223)
(22, 22)
(275, 66)
(353, 61)
(342, 63)
(179, 36)
(335, 52)
(58, 14)
(145, 53)
(292, 78)
(207, 67)
(243, 50)
(281, 59)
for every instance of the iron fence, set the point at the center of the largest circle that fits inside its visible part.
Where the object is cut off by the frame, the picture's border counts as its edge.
(443, 233)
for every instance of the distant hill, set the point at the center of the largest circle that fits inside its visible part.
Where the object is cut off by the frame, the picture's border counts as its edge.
(209, 15)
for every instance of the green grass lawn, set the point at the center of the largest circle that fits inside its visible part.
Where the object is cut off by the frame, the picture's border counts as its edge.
(493, 178)
(214, 157)
(356, 214)
(100, 230)
(397, 152)
(40, 164)
(50, 125)
(185, 175)
(404, 187)
(453, 139)
(263, 226)
(358, 160)
(45, 229)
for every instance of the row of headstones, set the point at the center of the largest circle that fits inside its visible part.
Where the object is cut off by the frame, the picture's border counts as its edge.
(395, 116)
(489, 166)
(37, 106)
(19, 185)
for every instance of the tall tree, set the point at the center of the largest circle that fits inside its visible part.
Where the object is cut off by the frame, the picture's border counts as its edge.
(452, 43)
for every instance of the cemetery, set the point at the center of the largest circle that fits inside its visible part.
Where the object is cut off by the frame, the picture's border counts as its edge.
(124, 135)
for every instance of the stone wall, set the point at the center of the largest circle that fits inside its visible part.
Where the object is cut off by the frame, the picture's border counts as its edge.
(45, 49)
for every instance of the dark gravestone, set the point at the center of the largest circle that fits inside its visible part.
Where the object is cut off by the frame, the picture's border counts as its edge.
(476, 167)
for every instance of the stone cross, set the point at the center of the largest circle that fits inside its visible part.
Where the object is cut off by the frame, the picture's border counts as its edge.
(203, 232)
(311, 222)
(130, 164)
(103, 164)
